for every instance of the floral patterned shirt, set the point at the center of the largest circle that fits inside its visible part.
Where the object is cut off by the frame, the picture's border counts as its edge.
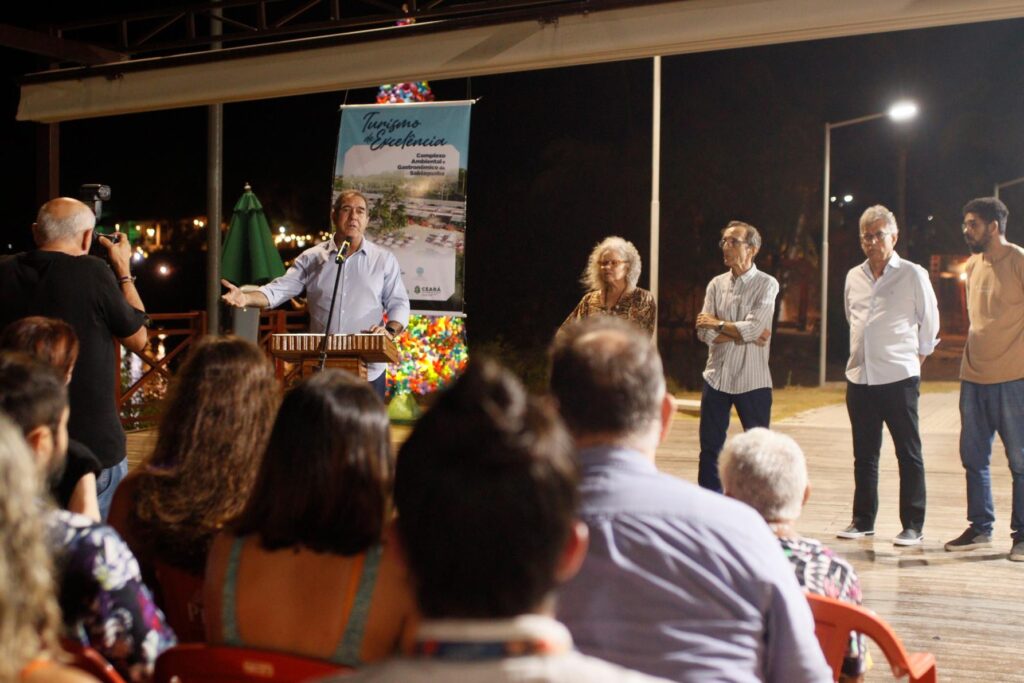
(105, 604)
(637, 306)
(821, 571)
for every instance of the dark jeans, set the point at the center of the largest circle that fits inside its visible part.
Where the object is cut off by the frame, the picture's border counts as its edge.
(894, 404)
(984, 410)
(755, 410)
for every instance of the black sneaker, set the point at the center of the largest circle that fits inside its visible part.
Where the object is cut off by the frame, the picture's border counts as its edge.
(908, 537)
(969, 540)
(853, 532)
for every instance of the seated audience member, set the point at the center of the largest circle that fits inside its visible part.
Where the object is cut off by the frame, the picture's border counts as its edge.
(679, 581)
(767, 471)
(308, 568)
(487, 500)
(54, 342)
(29, 617)
(105, 605)
(212, 436)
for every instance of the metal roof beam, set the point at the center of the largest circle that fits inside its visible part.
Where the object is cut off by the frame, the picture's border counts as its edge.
(58, 49)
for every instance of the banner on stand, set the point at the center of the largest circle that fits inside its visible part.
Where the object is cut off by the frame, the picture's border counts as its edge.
(411, 162)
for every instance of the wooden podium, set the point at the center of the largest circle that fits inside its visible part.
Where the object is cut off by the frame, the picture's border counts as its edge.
(349, 352)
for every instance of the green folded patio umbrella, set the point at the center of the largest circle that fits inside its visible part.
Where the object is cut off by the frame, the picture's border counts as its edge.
(249, 256)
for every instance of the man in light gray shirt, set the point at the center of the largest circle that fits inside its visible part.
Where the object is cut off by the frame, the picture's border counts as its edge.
(370, 285)
(894, 319)
(678, 582)
(736, 324)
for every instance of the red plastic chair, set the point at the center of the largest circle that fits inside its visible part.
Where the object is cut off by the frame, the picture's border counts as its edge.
(198, 663)
(835, 619)
(90, 661)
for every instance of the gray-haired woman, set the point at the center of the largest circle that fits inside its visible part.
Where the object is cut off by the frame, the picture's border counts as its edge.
(612, 272)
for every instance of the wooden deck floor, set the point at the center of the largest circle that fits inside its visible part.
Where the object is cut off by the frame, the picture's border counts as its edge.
(966, 608)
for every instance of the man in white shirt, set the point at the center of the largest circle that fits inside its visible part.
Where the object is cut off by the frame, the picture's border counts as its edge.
(736, 324)
(894, 319)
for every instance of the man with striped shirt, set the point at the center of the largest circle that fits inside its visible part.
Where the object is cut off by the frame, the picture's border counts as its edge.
(736, 324)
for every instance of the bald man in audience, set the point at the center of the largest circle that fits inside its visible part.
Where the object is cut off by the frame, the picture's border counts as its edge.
(679, 582)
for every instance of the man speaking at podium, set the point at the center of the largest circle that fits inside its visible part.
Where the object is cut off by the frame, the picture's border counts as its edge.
(371, 282)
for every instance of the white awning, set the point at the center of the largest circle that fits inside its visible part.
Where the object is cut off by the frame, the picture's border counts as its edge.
(308, 67)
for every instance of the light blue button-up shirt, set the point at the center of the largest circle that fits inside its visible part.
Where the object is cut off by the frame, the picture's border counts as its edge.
(894, 320)
(371, 285)
(683, 583)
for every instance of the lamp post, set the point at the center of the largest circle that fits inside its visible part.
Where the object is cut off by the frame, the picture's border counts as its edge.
(900, 111)
(1005, 183)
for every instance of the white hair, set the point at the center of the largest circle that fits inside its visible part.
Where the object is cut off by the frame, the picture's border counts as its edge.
(876, 213)
(591, 278)
(767, 471)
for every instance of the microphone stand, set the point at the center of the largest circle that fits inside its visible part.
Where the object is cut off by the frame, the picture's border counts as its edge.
(340, 260)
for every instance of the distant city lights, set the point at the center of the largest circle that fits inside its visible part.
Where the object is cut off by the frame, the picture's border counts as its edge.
(282, 240)
(163, 269)
(847, 198)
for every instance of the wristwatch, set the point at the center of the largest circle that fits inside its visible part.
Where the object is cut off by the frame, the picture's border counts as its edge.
(721, 325)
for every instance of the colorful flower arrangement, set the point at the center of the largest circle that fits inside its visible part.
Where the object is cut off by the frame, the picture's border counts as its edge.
(432, 354)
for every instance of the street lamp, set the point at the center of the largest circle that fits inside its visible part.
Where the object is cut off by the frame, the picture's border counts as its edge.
(1005, 183)
(900, 111)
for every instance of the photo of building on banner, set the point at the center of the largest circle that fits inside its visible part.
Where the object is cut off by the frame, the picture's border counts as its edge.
(411, 163)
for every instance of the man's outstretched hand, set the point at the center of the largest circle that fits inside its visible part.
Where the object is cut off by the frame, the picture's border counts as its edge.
(234, 296)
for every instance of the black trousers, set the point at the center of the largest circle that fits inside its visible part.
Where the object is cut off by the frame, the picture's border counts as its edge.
(895, 405)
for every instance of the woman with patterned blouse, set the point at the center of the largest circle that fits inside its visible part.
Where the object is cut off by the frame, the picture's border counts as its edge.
(768, 471)
(612, 272)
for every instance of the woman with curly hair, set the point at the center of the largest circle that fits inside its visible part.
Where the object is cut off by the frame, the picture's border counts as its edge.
(308, 567)
(209, 446)
(613, 269)
(29, 616)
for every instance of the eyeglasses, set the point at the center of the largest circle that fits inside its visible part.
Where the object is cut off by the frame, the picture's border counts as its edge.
(731, 241)
(610, 264)
(872, 237)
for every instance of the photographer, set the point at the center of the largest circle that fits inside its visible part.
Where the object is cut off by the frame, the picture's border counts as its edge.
(60, 280)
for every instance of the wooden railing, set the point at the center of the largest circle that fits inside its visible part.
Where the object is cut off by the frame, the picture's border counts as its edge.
(182, 330)
(179, 332)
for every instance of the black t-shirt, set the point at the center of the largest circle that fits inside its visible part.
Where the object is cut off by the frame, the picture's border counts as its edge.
(80, 462)
(82, 291)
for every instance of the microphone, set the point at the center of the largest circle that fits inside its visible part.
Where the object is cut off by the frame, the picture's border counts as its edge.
(343, 250)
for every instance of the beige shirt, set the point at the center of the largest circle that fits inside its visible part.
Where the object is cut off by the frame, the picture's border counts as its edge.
(995, 305)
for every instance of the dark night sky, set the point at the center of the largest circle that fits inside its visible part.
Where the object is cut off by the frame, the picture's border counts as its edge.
(560, 158)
